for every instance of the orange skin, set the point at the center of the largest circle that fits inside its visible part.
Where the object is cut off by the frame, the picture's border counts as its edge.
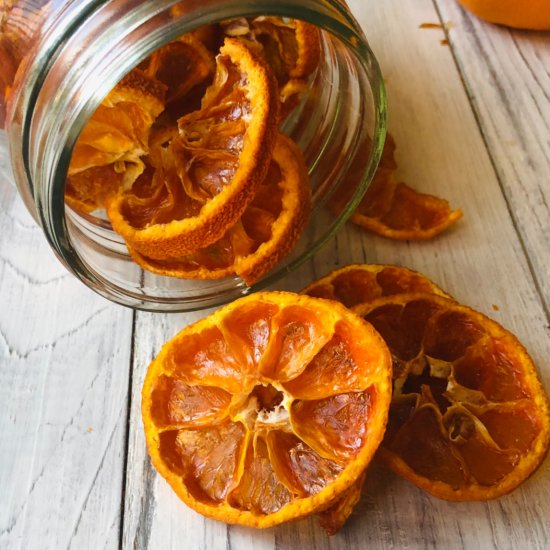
(526, 14)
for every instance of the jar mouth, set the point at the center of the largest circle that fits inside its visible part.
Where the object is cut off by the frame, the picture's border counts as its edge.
(55, 130)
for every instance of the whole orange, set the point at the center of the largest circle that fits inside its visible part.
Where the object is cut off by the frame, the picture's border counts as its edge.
(521, 14)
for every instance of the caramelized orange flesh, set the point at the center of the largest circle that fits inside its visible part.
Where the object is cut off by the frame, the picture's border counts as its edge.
(469, 419)
(185, 67)
(233, 427)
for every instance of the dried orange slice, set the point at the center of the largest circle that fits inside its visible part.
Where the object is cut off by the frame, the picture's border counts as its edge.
(266, 232)
(469, 418)
(267, 410)
(221, 156)
(394, 210)
(109, 151)
(291, 47)
(184, 66)
(359, 283)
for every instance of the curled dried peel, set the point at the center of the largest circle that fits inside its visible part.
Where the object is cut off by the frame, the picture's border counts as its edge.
(221, 155)
(470, 419)
(265, 234)
(258, 454)
(108, 153)
(391, 208)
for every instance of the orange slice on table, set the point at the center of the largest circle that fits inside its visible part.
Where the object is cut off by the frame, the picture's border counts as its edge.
(469, 418)
(265, 234)
(108, 153)
(394, 210)
(267, 410)
(359, 283)
(220, 157)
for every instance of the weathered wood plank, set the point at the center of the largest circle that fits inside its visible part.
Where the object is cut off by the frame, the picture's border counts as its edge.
(481, 262)
(507, 75)
(64, 363)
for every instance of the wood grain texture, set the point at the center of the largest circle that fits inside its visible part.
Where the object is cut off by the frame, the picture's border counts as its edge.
(64, 358)
(507, 76)
(482, 262)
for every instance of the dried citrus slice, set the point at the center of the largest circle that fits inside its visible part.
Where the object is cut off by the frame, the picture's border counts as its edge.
(469, 418)
(291, 47)
(266, 232)
(221, 156)
(184, 66)
(109, 150)
(267, 410)
(394, 210)
(359, 283)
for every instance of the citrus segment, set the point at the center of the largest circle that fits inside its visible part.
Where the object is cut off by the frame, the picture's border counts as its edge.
(461, 382)
(334, 427)
(266, 232)
(336, 367)
(257, 455)
(221, 155)
(299, 467)
(109, 150)
(358, 283)
(186, 405)
(260, 490)
(298, 334)
(210, 457)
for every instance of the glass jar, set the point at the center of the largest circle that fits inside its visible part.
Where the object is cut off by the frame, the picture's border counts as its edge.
(61, 58)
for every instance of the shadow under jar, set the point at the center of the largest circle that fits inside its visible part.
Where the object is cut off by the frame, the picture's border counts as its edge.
(62, 60)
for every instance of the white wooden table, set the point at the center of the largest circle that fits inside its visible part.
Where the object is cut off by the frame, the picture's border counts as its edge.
(472, 123)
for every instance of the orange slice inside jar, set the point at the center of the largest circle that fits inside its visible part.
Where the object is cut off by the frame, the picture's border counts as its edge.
(266, 233)
(291, 47)
(267, 410)
(221, 155)
(109, 151)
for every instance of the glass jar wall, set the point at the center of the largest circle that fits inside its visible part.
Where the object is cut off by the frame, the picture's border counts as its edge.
(65, 57)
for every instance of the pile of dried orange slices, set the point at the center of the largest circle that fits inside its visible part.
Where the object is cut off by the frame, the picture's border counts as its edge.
(186, 156)
(272, 408)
